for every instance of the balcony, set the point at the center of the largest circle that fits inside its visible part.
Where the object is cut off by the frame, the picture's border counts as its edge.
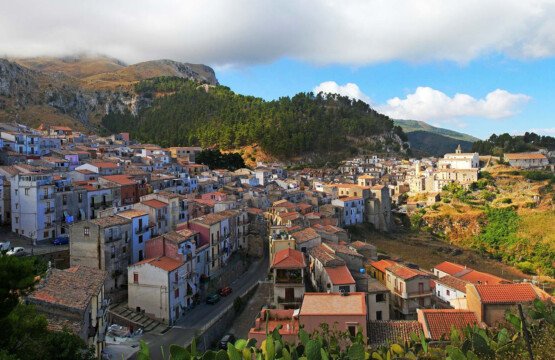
(141, 230)
(160, 217)
(49, 210)
(113, 238)
(46, 196)
(289, 280)
(289, 301)
(417, 294)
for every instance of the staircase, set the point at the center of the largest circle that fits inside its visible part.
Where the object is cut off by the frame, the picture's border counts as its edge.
(124, 316)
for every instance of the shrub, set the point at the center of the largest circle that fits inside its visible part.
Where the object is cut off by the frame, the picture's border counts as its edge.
(538, 175)
(446, 201)
(238, 303)
(506, 201)
(526, 267)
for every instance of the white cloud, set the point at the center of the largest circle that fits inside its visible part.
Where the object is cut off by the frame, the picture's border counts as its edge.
(351, 90)
(433, 105)
(244, 32)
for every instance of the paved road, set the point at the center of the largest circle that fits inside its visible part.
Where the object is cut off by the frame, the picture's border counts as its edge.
(186, 327)
(41, 247)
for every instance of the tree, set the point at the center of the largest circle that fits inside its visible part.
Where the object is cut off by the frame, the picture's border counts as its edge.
(16, 279)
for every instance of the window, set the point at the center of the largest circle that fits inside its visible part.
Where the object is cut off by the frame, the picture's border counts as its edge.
(86, 231)
(176, 277)
(380, 297)
(26, 191)
(64, 199)
(176, 293)
(15, 192)
(113, 252)
(17, 220)
(135, 278)
(16, 205)
(352, 330)
(448, 292)
(124, 249)
(388, 277)
(378, 315)
(80, 197)
(140, 239)
(45, 234)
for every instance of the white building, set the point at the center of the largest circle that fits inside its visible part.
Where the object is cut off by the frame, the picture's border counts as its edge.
(460, 160)
(449, 288)
(33, 208)
(23, 143)
(158, 286)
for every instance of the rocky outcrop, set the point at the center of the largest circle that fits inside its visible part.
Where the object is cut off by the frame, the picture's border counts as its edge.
(21, 86)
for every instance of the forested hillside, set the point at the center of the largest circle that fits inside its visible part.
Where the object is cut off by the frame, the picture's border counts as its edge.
(186, 113)
(505, 143)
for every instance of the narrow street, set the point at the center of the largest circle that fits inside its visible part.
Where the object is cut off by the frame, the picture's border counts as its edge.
(201, 315)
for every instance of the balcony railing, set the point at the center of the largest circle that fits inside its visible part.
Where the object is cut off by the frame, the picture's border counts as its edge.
(49, 210)
(141, 230)
(289, 300)
(46, 196)
(113, 238)
(416, 294)
(289, 280)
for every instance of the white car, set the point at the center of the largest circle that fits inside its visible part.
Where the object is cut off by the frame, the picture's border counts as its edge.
(5, 246)
(16, 251)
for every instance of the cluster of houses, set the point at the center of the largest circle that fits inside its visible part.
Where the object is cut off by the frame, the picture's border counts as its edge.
(349, 287)
(148, 226)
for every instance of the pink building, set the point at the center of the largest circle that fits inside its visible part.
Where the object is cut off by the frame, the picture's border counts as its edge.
(345, 312)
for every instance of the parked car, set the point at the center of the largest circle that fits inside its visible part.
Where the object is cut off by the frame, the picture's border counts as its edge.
(226, 290)
(212, 299)
(5, 246)
(16, 251)
(61, 239)
(228, 338)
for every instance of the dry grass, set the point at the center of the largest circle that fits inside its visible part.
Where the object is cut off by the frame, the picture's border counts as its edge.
(427, 251)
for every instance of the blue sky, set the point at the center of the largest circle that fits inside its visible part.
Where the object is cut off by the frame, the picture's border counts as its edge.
(381, 82)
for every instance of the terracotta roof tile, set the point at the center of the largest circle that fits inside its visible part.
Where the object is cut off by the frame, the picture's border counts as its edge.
(477, 277)
(289, 259)
(164, 263)
(305, 235)
(439, 321)
(72, 288)
(382, 264)
(154, 203)
(404, 272)
(506, 293)
(454, 283)
(120, 179)
(333, 304)
(525, 156)
(382, 332)
(449, 267)
(339, 275)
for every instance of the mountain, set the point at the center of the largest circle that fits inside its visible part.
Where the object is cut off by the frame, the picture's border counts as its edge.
(433, 140)
(308, 126)
(77, 91)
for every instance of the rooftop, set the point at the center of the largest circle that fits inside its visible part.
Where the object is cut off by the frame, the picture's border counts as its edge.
(333, 304)
(506, 293)
(72, 288)
(382, 264)
(404, 272)
(339, 275)
(453, 283)
(381, 332)
(439, 321)
(132, 213)
(305, 235)
(110, 221)
(289, 259)
(449, 267)
(164, 263)
(525, 156)
(120, 179)
(154, 203)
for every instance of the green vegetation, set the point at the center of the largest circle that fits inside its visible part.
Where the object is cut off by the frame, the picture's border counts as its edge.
(435, 144)
(539, 175)
(505, 143)
(185, 114)
(214, 159)
(500, 237)
(23, 331)
(472, 342)
(414, 125)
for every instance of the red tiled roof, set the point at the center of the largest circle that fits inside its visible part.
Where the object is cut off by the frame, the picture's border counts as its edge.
(524, 156)
(382, 264)
(382, 332)
(120, 179)
(404, 272)
(339, 275)
(449, 267)
(164, 263)
(439, 321)
(105, 165)
(506, 293)
(305, 235)
(289, 259)
(154, 203)
(454, 283)
(477, 277)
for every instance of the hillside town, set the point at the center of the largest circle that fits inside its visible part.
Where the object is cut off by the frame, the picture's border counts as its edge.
(143, 240)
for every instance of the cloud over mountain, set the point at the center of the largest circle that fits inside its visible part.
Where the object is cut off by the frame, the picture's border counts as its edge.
(244, 32)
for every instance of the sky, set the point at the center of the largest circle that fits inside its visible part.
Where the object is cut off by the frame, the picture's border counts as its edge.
(473, 66)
